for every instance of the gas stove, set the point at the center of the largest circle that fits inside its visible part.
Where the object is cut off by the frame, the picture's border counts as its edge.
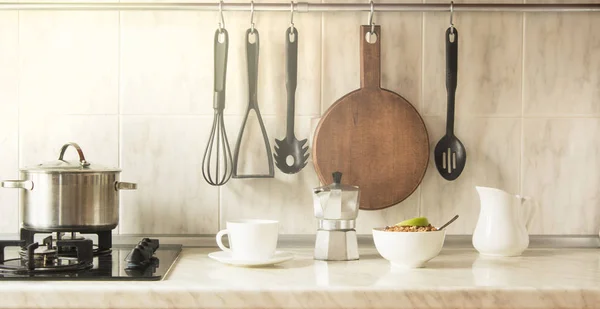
(71, 256)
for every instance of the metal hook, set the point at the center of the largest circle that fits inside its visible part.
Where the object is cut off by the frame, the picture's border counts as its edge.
(371, 13)
(451, 17)
(292, 16)
(251, 16)
(222, 20)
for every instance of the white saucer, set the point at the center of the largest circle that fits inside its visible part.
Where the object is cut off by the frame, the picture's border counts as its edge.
(225, 257)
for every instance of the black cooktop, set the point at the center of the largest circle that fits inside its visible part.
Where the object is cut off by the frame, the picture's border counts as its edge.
(60, 257)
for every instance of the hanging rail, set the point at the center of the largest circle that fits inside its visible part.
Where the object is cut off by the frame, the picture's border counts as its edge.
(300, 7)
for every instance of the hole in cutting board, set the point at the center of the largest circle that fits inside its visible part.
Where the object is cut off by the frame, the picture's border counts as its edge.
(292, 37)
(371, 38)
(221, 37)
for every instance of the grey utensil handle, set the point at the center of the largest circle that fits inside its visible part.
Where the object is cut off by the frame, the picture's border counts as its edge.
(220, 51)
(252, 58)
(291, 78)
(451, 75)
(252, 49)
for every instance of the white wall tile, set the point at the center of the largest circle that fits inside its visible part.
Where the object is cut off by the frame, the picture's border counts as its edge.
(164, 156)
(68, 62)
(560, 161)
(562, 64)
(489, 63)
(9, 207)
(41, 138)
(9, 62)
(166, 62)
(493, 157)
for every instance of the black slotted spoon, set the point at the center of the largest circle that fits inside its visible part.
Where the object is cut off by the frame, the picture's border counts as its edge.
(450, 154)
(290, 146)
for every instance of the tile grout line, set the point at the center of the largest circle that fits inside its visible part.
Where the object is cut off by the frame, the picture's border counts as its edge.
(322, 61)
(422, 103)
(219, 204)
(119, 128)
(18, 109)
(522, 136)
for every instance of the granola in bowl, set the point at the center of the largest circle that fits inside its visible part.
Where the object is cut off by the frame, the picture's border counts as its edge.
(410, 228)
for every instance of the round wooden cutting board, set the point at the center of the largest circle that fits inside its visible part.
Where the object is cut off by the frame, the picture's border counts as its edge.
(375, 137)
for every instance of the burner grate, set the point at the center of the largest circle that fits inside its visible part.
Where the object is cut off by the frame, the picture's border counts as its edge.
(50, 259)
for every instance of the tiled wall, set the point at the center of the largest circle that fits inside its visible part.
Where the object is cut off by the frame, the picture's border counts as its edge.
(135, 90)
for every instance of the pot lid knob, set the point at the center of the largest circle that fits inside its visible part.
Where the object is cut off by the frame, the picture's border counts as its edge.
(82, 160)
(337, 177)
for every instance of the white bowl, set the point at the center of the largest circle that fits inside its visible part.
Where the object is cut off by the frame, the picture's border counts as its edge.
(408, 249)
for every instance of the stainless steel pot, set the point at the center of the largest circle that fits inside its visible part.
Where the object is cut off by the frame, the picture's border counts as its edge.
(69, 195)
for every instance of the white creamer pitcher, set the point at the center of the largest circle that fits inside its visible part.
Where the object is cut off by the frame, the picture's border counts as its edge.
(503, 223)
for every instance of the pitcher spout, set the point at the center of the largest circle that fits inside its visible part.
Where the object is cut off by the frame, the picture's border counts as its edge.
(488, 191)
(500, 229)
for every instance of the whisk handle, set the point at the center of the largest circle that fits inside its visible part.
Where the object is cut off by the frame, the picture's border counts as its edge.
(221, 45)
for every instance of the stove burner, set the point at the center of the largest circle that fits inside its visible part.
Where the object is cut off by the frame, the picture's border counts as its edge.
(63, 251)
(49, 259)
(103, 247)
(71, 256)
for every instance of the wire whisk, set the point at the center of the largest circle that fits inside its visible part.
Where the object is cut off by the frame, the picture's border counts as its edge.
(217, 162)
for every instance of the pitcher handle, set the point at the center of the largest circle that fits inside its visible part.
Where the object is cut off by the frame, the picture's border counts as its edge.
(530, 211)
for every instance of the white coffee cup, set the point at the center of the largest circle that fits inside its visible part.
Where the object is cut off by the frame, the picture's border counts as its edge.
(250, 239)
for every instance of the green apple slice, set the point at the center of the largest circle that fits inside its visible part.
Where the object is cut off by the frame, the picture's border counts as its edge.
(419, 221)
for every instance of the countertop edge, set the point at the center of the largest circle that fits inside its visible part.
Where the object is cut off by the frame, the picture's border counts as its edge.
(307, 240)
(166, 297)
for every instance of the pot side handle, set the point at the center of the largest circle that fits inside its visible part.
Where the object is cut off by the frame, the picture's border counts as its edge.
(19, 184)
(125, 186)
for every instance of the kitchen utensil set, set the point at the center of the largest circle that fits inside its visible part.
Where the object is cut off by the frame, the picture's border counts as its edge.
(373, 135)
(218, 165)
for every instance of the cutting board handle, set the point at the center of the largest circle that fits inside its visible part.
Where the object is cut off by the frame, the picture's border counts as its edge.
(370, 58)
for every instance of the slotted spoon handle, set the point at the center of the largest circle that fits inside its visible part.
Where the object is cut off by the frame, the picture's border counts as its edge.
(451, 75)
(291, 78)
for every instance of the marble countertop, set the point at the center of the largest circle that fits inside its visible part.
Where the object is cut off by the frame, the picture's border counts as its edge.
(458, 278)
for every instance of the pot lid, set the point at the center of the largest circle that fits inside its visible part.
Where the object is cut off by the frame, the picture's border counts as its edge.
(63, 166)
(336, 185)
